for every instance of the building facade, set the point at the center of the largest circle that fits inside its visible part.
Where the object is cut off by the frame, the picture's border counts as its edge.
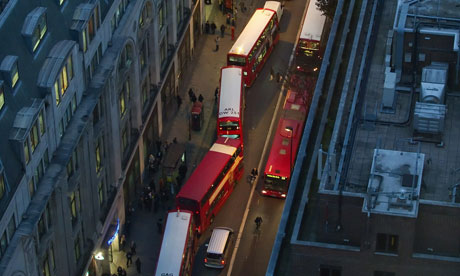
(84, 91)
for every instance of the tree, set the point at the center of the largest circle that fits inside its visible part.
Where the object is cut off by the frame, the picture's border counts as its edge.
(327, 7)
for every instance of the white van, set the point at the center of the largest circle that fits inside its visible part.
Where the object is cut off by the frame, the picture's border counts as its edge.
(218, 247)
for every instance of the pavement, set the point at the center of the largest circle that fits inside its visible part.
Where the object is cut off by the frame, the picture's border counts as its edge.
(202, 75)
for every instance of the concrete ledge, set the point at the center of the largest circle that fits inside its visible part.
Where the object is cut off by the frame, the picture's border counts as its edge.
(436, 257)
(327, 245)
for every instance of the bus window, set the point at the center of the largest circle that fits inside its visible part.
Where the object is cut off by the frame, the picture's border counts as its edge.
(233, 136)
(238, 61)
(228, 125)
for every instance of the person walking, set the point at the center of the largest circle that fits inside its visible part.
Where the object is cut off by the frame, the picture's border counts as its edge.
(133, 248)
(258, 222)
(122, 242)
(254, 172)
(200, 98)
(216, 94)
(160, 225)
(129, 259)
(213, 28)
(179, 101)
(222, 30)
(191, 93)
(138, 265)
(217, 43)
(193, 98)
(233, 32)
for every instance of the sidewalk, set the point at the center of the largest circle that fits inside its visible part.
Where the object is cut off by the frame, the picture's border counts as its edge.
(202, 75)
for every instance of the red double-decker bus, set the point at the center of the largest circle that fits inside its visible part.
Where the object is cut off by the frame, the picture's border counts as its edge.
(256, 41)
(309, 47)
(287, 138)
(231, 103)
(178, 245)
(212, 182)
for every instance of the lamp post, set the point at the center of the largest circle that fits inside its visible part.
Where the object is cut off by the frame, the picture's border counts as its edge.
(288, 128)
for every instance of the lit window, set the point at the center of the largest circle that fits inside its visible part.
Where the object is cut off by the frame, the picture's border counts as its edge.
(61, 2)
(101, 192)
(34, 137)
(387, 243)
(39, 32)
(56, 92)
(46, 267)
(73, 205)
(41, 123)
(98, 157)
(26, 152)
(14, 75)
(2, 96)
(31, 188)
(53, 263)
(2, 186)
(77, 249)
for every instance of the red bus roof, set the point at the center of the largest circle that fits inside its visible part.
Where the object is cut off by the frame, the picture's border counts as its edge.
(209, 168)
(278, 161)
(252, 32)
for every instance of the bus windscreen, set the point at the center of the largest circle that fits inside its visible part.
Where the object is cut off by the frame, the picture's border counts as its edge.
(236, 60)
(228, 125)
(275, 184)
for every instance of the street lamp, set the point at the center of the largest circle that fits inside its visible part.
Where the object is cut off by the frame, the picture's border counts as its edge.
(288, 128)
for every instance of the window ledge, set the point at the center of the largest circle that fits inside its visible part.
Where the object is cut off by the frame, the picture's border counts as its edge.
(386, 254)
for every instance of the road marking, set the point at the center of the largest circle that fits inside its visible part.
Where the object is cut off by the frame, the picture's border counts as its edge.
(246, 211)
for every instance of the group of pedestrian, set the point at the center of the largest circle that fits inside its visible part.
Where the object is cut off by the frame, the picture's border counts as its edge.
(129, 260)
(210, 28)
(193, 98)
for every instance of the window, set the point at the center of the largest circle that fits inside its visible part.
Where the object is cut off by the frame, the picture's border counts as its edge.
(2, 185)
(162, 17)
(11, 227)
(383, 273)
(26, 151)
(99, 155)
(39, 32)
(162, 52)
(97, 112)
(72, 166)
(74, 103)
(73, 206)
(48, 215)
(387, 243)
(124, 140)
(143, 55)
(77, 249)
(325, 270)
(2, 96)
(63, 79)
(100, 190)
(46, 266)
(14, 75)
(61, 2)
(124, 98)
(41, 123)
(51, 252)
(31, 188)
(84, 40)
(41, 227)
(3, 244)
(145, 91)
(34, 137)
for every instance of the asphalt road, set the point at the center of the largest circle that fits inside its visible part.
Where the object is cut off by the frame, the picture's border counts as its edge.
(255, 247)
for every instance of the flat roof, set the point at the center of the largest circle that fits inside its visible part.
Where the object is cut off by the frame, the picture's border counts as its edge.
(313, 24)
(251, 32)
(231, 84)
(174, 243)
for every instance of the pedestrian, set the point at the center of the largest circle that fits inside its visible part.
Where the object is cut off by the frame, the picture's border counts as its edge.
(229, 16)
(138, 265)
(272, 73)
(151, 162)
(254, 172)
(129, 259)
(155, 203)
(213, 28)
(190, 93)
(160, 225)
(175, 140)
(158, 142)
(217, 43)
(221, 5)
(200, 98)
(193, 98)
(258, 222)
(206, 27)
(233, 32)
(133, 248)
(119, 270)
(222, 30)
(235, 12)
(123, 241)
(179, 101)
(152, 186)
(216, 93)
(123, 272)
